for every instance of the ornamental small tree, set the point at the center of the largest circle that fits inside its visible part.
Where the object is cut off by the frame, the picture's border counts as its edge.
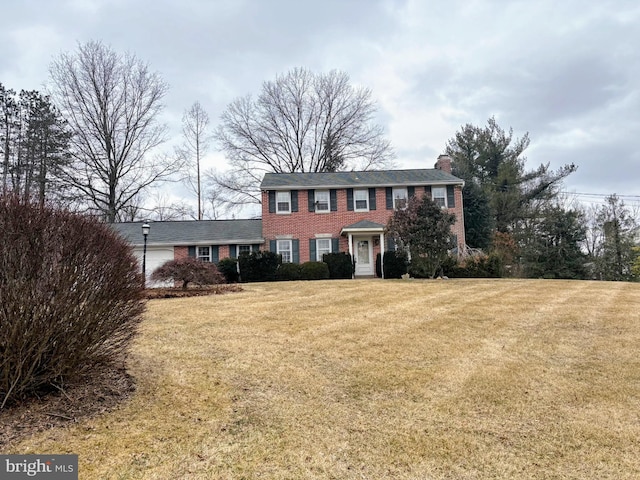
(188, 270)
(425, 229)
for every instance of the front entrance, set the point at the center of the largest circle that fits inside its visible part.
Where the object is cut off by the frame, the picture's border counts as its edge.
(363, 256)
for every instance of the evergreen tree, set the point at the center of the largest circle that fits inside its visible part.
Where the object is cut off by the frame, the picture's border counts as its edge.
(614, 256)
(491, 162)
(553, 249)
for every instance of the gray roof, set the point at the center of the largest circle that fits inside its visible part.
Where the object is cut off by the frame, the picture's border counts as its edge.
(194, 232)
(364, 224)
(371, 178)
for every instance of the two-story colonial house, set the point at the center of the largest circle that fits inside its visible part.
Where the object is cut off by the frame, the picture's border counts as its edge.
(305, 215)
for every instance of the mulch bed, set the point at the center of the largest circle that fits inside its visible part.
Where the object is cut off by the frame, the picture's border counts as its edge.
(154, 293)
(91, 395)
(87, 396)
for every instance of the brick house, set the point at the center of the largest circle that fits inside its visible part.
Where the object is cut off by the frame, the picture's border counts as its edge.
(209, 240)
(305, 215)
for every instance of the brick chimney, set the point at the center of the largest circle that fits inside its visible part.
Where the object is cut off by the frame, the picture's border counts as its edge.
(444, 163)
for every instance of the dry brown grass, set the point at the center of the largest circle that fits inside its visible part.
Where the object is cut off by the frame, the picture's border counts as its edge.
(377, 379)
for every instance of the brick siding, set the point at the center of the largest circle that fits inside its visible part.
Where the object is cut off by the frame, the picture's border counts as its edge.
(304, 225)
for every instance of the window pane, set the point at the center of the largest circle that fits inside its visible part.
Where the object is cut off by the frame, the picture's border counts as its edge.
(322, 201)
(323, 245)
(363, 252)
(283, 201)
(400, 198)
(203, 254)
(361, 198)
(284, 249)
(244, 249)
(439, 195)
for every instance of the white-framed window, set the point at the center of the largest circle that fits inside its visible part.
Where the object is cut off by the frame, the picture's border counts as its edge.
(203, 253)
(322, 200)
(400, 198)
(439, 195)
(323, 245)
(361, 200)
(244, 249)
(283, 247)
(283, 202)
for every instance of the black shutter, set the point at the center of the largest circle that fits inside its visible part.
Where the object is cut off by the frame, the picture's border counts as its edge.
(255, 247)
(427, 192)
(451, 197)
(295, 246)
(335, 245)
(372, 199)
(350, 199)
(233, 251)
(192, 251)
(312, 249)
(294, 200)
(411, 191)
(215, 253)
(333, 200)
(312, 200)
(273, 247)
(391, 244)
(389, 198)
(272, 201)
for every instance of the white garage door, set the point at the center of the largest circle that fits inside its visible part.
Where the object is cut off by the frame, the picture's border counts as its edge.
(156, 256)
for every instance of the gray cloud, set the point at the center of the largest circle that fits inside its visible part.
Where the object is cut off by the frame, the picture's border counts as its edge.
(566, 72)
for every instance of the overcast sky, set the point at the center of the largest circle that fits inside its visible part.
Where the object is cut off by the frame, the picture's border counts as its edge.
(567, 72)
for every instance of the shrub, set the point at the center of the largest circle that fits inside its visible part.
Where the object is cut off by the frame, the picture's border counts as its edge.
(259, 266)
(314, 271)
(288, 271)
(340, 264)
(476, 266)
(395, 264)
(188, 270)
(70, 297)
(228, 267)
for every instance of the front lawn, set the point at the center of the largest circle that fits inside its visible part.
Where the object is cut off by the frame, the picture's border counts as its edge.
(372, 379)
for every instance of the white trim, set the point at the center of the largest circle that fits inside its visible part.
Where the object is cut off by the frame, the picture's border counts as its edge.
(355, 200)
(283, 212)
(433, 197)
(324, 235)
(289, 251)
(316, 195)
(318, 255)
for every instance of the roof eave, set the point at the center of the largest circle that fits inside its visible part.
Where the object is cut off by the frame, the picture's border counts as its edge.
(365, 185)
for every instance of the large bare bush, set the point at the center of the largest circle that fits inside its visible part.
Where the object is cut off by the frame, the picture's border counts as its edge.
(70, 297)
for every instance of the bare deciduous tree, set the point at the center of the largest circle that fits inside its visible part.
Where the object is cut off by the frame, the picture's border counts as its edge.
(111, 102)
(301, 122)
(196, 140)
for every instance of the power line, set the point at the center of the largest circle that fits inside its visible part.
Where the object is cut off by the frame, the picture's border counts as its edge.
(620, 195)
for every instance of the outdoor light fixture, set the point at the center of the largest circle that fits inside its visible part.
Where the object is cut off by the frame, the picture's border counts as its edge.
(145, 233)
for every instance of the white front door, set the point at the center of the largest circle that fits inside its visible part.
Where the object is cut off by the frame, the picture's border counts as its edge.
(364, 255)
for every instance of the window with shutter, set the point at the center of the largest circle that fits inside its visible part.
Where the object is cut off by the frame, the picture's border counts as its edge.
(361, 200)
(283, 202)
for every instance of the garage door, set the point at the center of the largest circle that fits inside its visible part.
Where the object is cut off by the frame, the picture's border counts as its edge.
(156, 256)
